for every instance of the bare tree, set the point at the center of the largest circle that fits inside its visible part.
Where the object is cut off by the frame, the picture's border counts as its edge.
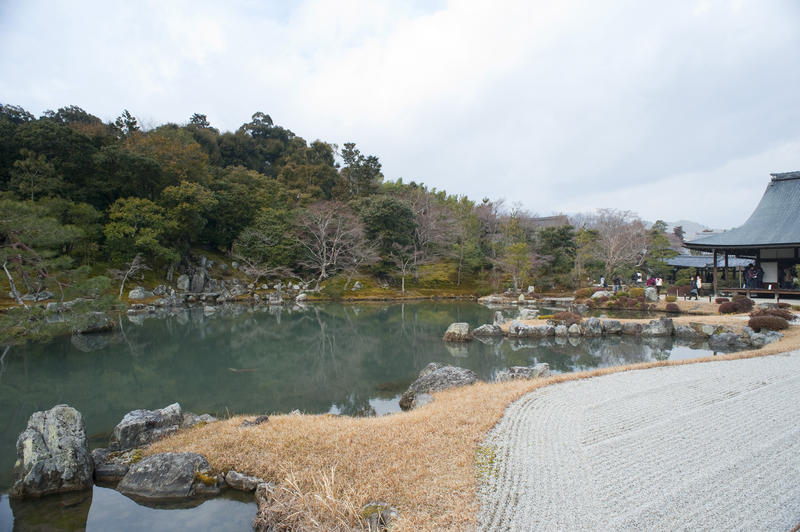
(404, 258)
(135, 266)
(622, 239)
(329, 233)
(362, 254)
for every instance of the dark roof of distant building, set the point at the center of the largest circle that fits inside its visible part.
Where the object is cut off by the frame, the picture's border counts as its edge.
(707, 261)
(774, 223)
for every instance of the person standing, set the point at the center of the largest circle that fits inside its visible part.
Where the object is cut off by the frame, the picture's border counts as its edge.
(617, 283)
(659, 284)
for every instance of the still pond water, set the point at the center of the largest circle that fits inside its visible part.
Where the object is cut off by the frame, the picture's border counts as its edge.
(343, 359)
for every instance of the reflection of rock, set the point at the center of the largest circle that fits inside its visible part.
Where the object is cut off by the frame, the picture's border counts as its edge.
(52, 454)
(90, 342)
(541, 370)
(437, 380)
(65, 512)
(457, 350)
(169, 476)
(141, 427)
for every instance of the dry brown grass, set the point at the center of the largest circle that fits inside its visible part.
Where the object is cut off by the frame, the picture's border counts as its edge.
(422, 461)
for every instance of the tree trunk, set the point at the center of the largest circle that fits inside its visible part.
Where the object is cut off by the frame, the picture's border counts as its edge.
(14, 292)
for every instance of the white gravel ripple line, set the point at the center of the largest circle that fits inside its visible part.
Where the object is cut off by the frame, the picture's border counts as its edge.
(712, 446)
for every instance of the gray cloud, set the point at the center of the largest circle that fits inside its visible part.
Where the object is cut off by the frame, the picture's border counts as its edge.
(678, 110)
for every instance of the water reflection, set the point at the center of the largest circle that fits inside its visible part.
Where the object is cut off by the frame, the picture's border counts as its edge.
(106, 509)
(348, 359)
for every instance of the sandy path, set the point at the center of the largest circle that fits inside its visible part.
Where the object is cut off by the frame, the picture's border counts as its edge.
(701, 446)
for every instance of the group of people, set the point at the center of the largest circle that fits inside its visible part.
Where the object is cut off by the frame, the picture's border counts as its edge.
(697, 284)
(636, 278)
(753, 276)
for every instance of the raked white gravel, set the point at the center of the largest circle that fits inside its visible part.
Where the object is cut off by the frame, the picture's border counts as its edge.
(712, 446)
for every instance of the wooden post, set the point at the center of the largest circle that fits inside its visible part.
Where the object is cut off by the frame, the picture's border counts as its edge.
(715, 272)
(725, 271)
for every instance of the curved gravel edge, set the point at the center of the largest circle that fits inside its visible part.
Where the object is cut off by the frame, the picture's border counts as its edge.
(700, 446)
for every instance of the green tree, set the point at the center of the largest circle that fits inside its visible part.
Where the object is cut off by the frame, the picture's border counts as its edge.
(557, 248)
(137, 225)
(187, 208)
(388, 222)
(34, 176)
(126, 124)
(361, 176)
(268, 242)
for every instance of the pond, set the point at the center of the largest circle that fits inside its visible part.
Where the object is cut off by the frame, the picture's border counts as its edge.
(343, 359)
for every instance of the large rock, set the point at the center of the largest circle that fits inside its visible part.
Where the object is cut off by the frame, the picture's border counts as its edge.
(457, 332)
(437, 380)
(183, 283)
(561, 331)
(528, 313)
(52, 454)
(141, 427)
(517, 329)
(593, 327)
(540, 370)
(487, 330)
(499, 319)
(689, 332)
(139, 293)
(242, 482)
(168, 476)
(601, 293)
(612, 327)
(574, 330)
(631, 329)
(651, 294)
(92, 322)
(659, 327)
(728, 341)
(111, 467)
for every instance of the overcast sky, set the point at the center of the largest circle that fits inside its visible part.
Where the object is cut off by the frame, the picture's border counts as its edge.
(674, 110)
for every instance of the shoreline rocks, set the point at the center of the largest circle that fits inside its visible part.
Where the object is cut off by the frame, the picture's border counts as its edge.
(435, 378)
(52, 454)
(457, 332)
(169, 476)
(140, 427)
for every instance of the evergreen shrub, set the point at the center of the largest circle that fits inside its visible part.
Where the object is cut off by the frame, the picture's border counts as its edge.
(673, 308)
(671, 299)
(721, 300)
(729, 307)
(743, 303)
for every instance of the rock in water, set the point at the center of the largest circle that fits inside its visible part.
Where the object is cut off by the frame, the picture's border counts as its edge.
(167, 476)
(436, 381)
(457, 332)
(52, 454)
(141, 427)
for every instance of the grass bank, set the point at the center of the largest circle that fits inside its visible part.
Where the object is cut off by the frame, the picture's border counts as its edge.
(423, 461)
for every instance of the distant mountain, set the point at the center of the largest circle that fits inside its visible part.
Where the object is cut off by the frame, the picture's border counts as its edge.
(691, 230)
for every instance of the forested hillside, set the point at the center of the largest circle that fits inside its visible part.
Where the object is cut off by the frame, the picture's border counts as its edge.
(81, 199)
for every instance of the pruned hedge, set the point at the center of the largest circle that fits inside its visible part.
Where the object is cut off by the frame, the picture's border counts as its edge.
(773, 323)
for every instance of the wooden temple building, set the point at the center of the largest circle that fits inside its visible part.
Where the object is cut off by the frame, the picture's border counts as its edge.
(771, 237)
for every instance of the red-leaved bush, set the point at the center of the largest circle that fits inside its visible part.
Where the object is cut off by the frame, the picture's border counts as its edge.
(773, 323)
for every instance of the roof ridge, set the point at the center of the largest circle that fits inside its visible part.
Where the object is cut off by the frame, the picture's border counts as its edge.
(785, 175)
